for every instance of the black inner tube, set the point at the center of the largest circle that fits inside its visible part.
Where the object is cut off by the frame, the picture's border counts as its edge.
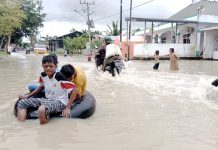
(215, 83)
(80, 109)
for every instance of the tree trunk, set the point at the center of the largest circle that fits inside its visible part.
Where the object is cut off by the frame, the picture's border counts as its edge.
(8, 43)
(32, 40)
(2, 40)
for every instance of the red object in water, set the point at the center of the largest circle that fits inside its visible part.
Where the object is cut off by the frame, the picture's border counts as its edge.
(90, 57)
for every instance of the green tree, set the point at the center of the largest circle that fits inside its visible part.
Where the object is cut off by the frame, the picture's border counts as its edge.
(97, 32)
(85, 35)
(84, 31)
(74, 44)
(34, 19)
(113, 30)
(67, 43)
(47, 38)
(10, 18)
(96, 44)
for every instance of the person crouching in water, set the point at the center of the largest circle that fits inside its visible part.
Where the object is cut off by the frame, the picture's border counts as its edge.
(56, 94)
(77, 76)
(156, 60)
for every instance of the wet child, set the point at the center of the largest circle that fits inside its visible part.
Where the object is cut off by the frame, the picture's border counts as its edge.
(173, 60)
(77, 76)
(156, 60)
(56, 88)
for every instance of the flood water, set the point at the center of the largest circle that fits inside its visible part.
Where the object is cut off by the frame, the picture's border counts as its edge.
(141, 109)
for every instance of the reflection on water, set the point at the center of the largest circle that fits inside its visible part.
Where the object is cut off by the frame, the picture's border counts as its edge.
(140, 109)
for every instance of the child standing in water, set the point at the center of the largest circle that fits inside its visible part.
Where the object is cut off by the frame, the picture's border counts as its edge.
(173, 60)
(156, 60)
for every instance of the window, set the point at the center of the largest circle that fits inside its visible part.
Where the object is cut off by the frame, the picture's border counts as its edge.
(156, 38)
(163, 40)
(173, 39)
(186, 38)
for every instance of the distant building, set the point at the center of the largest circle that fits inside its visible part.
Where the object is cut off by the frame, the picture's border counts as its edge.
(189, 39)
(58, 43)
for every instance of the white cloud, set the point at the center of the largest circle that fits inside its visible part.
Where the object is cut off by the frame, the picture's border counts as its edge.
(57, 28)
(61, 18)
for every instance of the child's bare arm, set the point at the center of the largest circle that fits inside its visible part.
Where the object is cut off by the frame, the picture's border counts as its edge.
(177, 57)
(66, 111)
(39, 89)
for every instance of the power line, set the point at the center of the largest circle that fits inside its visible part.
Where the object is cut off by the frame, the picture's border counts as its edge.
(89, 22)
(123, 11)
(121, 19)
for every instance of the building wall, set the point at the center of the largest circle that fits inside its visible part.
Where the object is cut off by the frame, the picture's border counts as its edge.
(210, 43)
(167, 35)
(131, 49)
(147, 50)
(193, 36)
(182, 29)
(125, 52)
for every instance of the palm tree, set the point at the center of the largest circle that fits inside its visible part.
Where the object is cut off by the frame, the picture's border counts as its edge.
(113, 31)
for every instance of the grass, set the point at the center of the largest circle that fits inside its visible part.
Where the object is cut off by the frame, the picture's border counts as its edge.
(58, 52)
(2, 53)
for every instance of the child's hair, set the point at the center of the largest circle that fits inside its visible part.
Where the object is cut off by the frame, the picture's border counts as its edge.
(157, 52)
(68, 70)
(172, 50)
(51, 58)
(55, 56)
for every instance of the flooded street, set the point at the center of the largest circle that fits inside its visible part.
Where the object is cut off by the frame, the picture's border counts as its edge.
(141, 109)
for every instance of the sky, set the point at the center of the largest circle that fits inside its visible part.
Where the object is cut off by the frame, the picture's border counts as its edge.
(61, 17)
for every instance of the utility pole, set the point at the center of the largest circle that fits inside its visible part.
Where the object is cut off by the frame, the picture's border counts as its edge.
(121, 20)
(130, 22)
(89, 22)
(198, 33)
(130, 16)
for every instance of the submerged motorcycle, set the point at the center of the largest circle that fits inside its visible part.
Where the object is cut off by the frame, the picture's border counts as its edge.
(112, 62)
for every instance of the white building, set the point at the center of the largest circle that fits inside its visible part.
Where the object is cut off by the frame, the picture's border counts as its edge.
(190, 39)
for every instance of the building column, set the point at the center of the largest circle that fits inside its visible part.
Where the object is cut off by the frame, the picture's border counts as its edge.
(171, 33)
(176, 36)
(159, 39)
(145, 33)
(152, 32)
(127, 41)
(198, 38)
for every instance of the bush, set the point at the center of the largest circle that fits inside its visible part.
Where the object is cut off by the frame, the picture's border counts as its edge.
(58, 52)
(2, 53)
(74, 44)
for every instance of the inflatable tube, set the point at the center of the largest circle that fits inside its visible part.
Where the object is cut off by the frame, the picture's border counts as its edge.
(215, 83)
(80, 109)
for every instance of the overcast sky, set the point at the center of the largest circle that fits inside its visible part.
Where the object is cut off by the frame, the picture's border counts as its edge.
(61, 17)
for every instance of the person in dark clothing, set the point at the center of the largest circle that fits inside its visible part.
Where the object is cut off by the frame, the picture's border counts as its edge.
(156, 60)
(99, 58)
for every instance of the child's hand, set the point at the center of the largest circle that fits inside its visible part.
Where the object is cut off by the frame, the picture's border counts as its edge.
(23, 96)
(66, 113)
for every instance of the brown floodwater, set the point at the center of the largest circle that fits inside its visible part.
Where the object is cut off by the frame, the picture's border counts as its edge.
(141, 109)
